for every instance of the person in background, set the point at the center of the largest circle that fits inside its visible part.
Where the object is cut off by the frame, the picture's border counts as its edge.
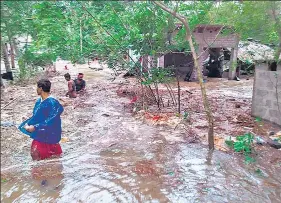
(44, 127)
(80, 84)
(71, 86)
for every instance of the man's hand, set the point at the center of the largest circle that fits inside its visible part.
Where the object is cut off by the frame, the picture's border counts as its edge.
(29, 128)
(81, 91)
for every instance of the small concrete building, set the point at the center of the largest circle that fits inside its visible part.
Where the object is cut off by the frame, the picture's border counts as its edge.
(216, 37)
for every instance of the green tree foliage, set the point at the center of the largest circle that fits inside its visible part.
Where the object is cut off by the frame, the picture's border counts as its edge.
(75, 30)
(251, 19)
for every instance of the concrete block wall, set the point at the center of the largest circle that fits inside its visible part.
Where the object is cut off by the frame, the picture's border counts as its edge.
(210, 40)
(266, 101)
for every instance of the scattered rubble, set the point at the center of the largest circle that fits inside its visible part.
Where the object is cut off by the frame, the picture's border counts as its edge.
(231, 113)
(275, 140)
(274, 144)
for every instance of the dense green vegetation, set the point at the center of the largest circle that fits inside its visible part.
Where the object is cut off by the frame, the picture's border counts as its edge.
(76, 30)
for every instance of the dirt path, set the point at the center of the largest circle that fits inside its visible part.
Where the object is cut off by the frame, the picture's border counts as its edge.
(112, 157)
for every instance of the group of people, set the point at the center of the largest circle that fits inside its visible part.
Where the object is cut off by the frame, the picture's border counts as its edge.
(75, 86)
(44, 127)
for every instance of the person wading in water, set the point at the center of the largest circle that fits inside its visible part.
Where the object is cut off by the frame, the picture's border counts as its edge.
(80, 84)
(71, 86)
(44, 127)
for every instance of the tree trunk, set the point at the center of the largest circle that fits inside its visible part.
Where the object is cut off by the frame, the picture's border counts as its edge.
(277, 28)
(2, 84)
(200, 76)
(179, 91)
(81, 38)
(16, 50)
(12, 54)
(5, 58)
(11, 46)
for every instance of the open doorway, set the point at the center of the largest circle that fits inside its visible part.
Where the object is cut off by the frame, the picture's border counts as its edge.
(272, 66)
(213, 65)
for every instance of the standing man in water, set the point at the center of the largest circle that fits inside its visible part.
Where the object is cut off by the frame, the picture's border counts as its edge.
(44, 127)
(71, 86)
(80, 84)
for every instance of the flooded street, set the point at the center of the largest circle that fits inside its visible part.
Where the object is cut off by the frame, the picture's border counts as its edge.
(110, 156)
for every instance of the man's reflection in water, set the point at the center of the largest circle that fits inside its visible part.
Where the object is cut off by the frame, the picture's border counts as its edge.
(48, 176)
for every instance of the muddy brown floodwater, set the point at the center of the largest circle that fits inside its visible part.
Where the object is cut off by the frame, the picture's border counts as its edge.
(110, 156)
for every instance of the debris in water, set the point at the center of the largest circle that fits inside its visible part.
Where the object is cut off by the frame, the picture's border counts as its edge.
(185, 115)
(258, 119)
(112, 144)
(259, 140)
(237, 106)
(206, 189)
(158, 142)
(220, 143)
(3, 180)
(106, 115)
(171, 173)
(44, 182)
(7, 124)
(64, 139)
(134, 100)
(156, 118)
(259, 172)
(274, 144)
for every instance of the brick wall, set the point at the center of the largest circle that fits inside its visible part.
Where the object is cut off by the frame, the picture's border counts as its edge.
(264, 102)
(209, 40)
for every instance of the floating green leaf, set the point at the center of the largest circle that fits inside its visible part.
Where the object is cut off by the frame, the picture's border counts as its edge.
(3, 180)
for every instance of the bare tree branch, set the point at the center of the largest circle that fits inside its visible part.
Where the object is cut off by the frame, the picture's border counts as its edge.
(199, 72)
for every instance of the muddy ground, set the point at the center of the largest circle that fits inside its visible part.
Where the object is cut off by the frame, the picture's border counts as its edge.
(114, 152)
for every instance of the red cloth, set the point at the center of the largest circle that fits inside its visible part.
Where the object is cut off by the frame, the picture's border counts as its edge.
(134, 100)
(40, 150)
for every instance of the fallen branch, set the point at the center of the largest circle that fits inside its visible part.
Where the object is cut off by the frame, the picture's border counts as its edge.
(188, 92)
(8, 104)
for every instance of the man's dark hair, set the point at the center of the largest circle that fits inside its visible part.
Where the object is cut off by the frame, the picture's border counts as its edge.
(67, 75)
(45, 84)
(80, 74)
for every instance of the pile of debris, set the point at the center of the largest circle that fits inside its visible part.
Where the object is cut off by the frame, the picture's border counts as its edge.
(274, 140)
(250, 53)
(254, 52)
